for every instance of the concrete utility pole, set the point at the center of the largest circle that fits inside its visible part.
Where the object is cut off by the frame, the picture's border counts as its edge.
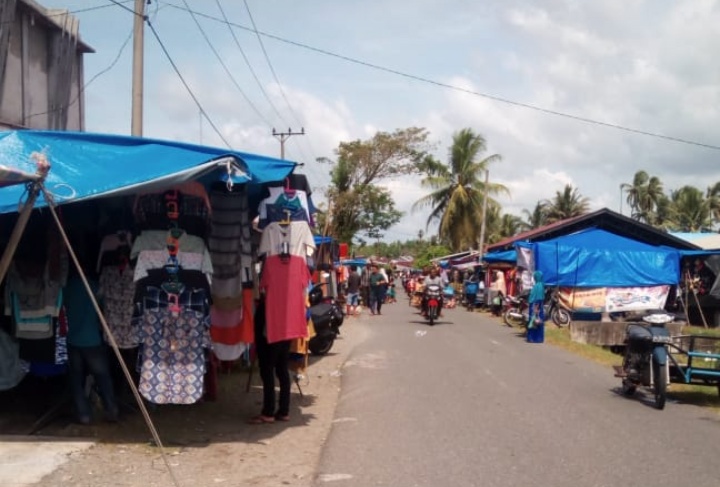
(137, 76)
(283, 136)
(484, 213)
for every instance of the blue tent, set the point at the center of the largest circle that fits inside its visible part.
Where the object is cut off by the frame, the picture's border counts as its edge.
(597, 258)
(88, 165)
(501, 256)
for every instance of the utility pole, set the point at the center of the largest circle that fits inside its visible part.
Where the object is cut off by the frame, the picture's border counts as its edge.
(484, 212)
(283, 136)
(137, 76)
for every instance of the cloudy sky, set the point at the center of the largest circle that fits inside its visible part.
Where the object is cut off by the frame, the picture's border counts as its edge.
(647, 65)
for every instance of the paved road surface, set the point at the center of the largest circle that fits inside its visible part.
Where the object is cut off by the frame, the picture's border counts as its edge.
(471, 404)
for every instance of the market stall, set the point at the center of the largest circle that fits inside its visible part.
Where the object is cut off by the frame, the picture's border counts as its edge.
(164, 226)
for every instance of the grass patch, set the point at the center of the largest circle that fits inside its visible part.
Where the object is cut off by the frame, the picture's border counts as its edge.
(699, 395)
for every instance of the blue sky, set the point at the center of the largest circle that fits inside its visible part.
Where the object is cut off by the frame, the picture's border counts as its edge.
(649, 65)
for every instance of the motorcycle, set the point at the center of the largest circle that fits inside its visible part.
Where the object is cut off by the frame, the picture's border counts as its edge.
(433, 297)
(517, 311)
(645, 361)
(327, 317)
(559, 315)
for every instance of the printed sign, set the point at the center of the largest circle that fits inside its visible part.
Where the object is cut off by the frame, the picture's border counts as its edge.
(613, 299)
(636, 298)
(583, 300)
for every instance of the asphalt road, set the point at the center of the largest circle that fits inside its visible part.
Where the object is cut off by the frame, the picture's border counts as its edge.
(469, 403)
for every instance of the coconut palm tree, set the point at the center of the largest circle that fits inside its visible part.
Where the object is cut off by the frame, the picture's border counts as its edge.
(537, 218)
(566, 204)
(713, 196)
(458, 189)
(643, 196)
(690, 210)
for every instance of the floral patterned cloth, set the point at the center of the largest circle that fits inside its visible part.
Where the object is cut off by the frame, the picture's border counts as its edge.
(174, 339)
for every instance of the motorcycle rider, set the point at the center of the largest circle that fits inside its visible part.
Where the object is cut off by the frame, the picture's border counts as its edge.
(433, 278)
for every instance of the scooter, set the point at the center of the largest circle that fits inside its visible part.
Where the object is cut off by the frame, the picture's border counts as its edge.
(433, 296)
(646, 362)
(327, 318)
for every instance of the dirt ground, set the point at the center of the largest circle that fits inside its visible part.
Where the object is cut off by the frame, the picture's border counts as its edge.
(211, 443)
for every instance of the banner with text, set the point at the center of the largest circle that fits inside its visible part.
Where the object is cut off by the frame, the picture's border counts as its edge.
(613, 299)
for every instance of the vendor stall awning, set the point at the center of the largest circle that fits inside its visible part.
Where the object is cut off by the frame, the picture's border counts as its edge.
(85, 165)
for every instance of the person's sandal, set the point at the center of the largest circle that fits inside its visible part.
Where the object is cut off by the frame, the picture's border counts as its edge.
(282, 418)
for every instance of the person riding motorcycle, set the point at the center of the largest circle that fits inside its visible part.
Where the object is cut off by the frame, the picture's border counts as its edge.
(432, 279)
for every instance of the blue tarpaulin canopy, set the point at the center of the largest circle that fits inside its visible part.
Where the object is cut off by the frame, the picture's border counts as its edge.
(85, 165)
(501, 256)
(597, 258)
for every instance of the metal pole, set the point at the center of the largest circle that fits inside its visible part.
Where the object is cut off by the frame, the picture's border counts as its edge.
(484, 214)
(137, 74)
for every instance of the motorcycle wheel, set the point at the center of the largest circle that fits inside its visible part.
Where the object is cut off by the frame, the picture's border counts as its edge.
(560, 317)
(513, 317)
(320, 345)
(660, 386)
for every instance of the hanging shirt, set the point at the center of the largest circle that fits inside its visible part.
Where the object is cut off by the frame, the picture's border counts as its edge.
(294, 238)
(157, 259)
(157, 240)
(172, 359)
(285, 281)
(113, 242)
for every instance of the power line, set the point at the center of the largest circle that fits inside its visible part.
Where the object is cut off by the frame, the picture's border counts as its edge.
(96, 76)
(120, 4)
(272, 70)
(463, 90)
(222, 63)
(270, 65)
(247, 61)
(182, 79)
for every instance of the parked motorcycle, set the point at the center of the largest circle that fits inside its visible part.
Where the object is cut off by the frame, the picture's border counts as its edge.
(327, 317)
(645, 362)
(517, 311)
(433, 297)
(553, 309)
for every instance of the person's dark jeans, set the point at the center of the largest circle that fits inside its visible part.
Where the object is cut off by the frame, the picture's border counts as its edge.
(273, 359)
(90, 360)
(377, 296)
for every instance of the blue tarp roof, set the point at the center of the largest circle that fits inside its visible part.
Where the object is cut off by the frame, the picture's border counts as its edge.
(501, 256)
(597, 258)
(319, 240)
(85, 165)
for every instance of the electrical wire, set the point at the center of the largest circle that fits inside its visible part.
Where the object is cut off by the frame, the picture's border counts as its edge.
(222, 63)
(277, 81)
(499, 99)
(96, 76)
(247, 61)
(120, 4)
(185, 84)
(269, 63)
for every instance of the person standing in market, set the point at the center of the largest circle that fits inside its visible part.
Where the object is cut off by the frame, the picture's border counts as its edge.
(536, 323)
(378, 284)
(87, 353)
(353, 291)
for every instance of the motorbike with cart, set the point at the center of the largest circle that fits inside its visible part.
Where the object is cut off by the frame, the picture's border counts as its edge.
(655, 359)
(645, 361)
